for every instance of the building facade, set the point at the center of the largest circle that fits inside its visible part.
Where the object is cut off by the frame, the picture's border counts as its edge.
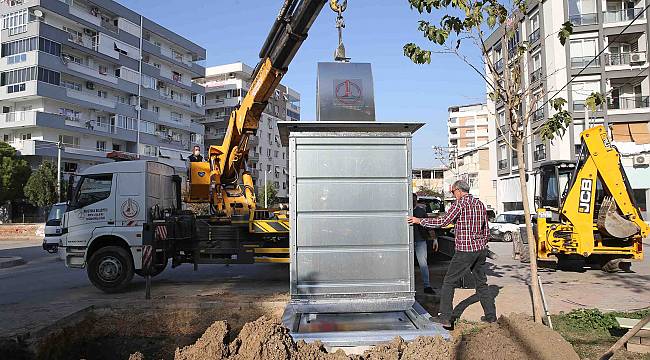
(428, 179)
(468, 132)
(620, 73)
(225, 87)
(96, 77)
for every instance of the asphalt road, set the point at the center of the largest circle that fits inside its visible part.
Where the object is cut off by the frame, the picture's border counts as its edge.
(44, 290)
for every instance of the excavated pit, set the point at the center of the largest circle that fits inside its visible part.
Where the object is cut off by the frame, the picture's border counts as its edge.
(247, 331)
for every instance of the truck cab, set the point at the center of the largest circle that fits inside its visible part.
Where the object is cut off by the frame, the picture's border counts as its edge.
(102, 229)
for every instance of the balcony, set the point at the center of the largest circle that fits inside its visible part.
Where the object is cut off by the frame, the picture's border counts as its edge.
(628, 102)
(85, 14)
(633, 58)
(90, 42)
(534, 37)
(18, 119)
(80, 95)
(584, 62)
(536, 75)
(503, 164)
(91, 72)
(584, 19)
(623, 15)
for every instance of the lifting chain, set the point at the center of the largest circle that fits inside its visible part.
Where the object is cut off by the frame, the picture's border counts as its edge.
(339, 8)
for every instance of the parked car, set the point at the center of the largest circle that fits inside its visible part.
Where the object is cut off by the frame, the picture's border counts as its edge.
(52, 239)
(505, 225)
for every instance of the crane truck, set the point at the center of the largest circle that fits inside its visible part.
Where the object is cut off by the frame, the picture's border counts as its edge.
(130, 217)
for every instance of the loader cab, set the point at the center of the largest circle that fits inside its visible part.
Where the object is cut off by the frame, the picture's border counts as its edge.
(553, 181)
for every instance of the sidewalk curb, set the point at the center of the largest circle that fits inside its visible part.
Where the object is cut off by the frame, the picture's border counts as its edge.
(10, 261)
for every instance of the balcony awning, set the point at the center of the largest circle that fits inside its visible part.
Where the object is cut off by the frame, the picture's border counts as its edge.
(632, 132)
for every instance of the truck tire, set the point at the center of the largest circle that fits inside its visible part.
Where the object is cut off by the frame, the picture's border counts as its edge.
(507, 237)
(157, 269)
(110, 269)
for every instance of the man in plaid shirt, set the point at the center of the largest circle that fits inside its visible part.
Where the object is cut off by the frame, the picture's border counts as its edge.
(471, 230)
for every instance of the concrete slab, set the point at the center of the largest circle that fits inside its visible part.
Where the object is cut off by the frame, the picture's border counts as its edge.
(10, 261)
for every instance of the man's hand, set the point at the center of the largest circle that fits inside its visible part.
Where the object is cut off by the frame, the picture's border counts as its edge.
(434, 246)
(412, 220)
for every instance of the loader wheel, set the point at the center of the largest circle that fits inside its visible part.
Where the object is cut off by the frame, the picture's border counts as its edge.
(507, 237)
(625, 266)
(110, 269)
(616, 265)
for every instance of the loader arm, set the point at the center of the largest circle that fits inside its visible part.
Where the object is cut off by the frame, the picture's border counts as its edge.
(226, 162)
(618, 216)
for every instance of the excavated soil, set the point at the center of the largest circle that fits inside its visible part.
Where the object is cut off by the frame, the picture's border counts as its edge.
(245, 332)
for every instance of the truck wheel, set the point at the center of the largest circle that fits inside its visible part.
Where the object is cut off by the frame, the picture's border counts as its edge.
(157, 269)
(507, 237)
(110, 269)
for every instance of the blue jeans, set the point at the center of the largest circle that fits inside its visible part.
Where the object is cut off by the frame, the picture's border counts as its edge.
(421, 254)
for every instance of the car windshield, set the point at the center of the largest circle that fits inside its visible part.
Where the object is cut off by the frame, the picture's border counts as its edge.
(509, 219)
(56, 213)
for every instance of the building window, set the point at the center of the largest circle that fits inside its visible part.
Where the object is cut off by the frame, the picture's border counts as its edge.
(177, 117)
(69, 141)
(149, 82)
(101, 146)
(16, 59)
(71, 85)
(580, 91)
(147, 127)
(49, 46)
(15, 22)
(102, 94)
(18, 76)
(502, 118)
(276, 153)
(583, 51)
(19, 46)
(125, 122)
(149, 150)
(49, 76)
(70, 167)
(582, 12)
(70, 114)
(15, 88)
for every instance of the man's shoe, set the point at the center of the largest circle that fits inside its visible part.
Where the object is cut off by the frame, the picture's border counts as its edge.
(446, 324)
(488, 320)
(429, 290)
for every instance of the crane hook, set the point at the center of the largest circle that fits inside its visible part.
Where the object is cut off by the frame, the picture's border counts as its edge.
(339, 8)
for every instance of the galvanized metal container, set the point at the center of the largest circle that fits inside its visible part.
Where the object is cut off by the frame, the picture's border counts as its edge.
(351, 247)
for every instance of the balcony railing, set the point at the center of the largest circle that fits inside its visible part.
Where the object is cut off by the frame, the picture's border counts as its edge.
(534, 36)
(623, 15)
(584, 61)
(584, 19)
(539, 154)
(503, 164)
(536, 75)
(625, 58)
(578, 105)
(628, 102)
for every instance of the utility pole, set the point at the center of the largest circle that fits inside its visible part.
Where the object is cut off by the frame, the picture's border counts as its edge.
(59, 146)
(266, 191)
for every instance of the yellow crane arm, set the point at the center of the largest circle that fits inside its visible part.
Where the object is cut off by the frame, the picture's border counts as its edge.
(226, 161)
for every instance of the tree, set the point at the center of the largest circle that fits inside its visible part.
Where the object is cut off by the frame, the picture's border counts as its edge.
(14, 173)
(465, 21)
(427, 191)
(271, 192)
(41, 186)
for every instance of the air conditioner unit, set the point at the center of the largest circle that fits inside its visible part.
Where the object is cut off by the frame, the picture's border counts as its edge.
(638, 57)
(90, 85)
(641, 160)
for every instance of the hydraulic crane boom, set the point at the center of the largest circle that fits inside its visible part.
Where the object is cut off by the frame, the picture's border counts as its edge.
(226, 162)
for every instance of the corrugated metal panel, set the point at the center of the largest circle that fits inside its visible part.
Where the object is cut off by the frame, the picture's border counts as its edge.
(350, 195)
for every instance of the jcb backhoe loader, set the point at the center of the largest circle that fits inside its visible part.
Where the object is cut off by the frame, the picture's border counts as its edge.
(586, 209)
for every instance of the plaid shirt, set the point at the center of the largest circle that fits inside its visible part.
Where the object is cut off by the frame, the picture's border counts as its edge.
(471, 223)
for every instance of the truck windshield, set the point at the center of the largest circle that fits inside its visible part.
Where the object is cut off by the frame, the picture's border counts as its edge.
(56, 213)
(93, 188)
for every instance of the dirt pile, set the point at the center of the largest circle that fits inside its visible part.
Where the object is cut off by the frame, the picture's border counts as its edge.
(431, 348)
(213, 344)
(514, 337)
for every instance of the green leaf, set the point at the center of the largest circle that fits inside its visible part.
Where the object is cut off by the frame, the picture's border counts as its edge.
(558, 123)
(416, 54)
(565, 32)
(594, 100)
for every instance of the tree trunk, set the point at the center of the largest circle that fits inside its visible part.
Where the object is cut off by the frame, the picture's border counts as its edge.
(538, 310)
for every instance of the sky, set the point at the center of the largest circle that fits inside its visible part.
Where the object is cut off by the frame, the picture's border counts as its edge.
(376, 31)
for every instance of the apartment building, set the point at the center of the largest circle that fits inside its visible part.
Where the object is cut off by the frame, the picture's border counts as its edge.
(467, 127)
(225, 87)
(428, 179)
(621, 73)
(468, 132)
(96, 77)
